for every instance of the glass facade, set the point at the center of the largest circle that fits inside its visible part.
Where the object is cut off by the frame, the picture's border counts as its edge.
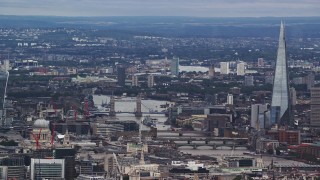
(47, 169)
(175, 66)
(280, 109)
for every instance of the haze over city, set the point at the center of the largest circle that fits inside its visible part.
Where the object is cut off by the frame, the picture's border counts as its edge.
(197, 8)
(159, 89)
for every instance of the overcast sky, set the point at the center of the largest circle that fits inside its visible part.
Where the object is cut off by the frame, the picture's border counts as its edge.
(202, 8)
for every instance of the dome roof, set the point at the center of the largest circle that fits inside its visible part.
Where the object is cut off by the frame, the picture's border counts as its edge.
(41, 124)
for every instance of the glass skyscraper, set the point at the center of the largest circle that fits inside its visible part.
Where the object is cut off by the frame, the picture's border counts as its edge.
(4, 75)
(174, 67)
(280, 107)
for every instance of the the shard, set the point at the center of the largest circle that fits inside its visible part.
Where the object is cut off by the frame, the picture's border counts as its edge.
(280, 107)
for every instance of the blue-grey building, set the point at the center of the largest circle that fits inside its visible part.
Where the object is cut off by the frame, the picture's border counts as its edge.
(4, 75)
(174, 66)
(280, 107)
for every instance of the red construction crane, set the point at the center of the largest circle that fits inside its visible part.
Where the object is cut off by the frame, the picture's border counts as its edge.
(52, 135)
(86, 108)
(36, 137)
(75, 113)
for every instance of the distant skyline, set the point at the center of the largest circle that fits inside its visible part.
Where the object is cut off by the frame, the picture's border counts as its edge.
(197, 8)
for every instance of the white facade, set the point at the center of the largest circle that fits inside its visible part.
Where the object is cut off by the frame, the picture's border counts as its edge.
(260, 62)
(47, 169)
(230, 99)
(6, 65)
(224, 68)
(241, 69)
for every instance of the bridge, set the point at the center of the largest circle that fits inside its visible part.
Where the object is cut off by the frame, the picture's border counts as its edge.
(213, 146)
(137, 112)
(207, 140)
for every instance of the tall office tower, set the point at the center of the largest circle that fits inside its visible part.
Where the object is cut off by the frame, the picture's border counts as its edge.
(230, 99)
(121, 75)
(6, 65)
(248, 81)
(280, 108)
(260, 62)
(135, 80)
(150, 81)
(293, 96)
(241, 69)
(47, 169)
(310, 80)
(315, 106)
(258, 116)
(211, 72)
(224, 68)
(174, 67)
(4, 75)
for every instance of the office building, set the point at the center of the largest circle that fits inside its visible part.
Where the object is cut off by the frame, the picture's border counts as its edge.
(150, 81)
(4, 75)
(224, 68)
(121, 75)
(280, 108)
(211, 72)
(258, 116)
(315, 107)
(230, 99)
(174, 67)
(6, 65)
(310, 80)
(268, 79)
(248, 81)
(241, 69)
(260, 62)
(135, 80)
(47, 169)
(293, 96)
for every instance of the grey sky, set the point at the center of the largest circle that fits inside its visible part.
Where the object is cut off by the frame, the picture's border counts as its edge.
(203, 8)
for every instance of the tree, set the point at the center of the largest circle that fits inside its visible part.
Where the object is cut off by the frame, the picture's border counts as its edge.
(270, 151)
(238, 177)
(8, 143)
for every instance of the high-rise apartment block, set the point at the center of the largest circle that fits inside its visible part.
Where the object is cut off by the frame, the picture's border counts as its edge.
(258, 116)
(135, 80)
(224, 68)
(248, 81)
(260, 62)
(315, 107)
(174, 67)
(121, 75)
(211, 72)
(293, 96)
(241, 69)
(150, 81)
(280, 108)
(230, 99)
(4, 75)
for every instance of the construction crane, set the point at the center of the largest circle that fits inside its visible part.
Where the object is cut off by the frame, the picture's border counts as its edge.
(52, 135)
(75, 113)
(86, 108)
(36, 137)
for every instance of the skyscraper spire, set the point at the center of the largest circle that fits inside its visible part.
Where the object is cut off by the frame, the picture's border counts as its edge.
(280, 110)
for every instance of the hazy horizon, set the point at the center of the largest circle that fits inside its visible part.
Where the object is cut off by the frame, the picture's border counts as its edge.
(184, 8)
